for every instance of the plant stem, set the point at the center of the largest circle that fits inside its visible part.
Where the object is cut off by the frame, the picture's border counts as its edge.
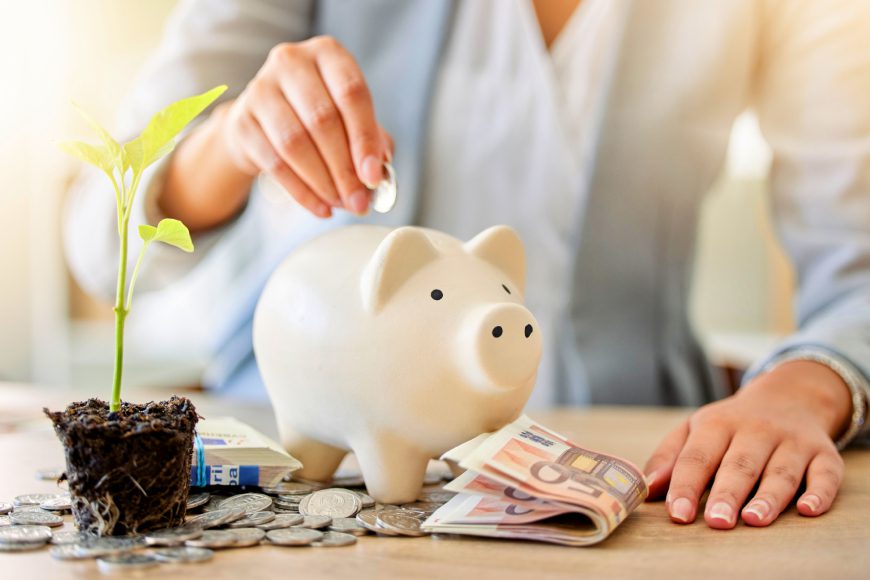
(120, 317)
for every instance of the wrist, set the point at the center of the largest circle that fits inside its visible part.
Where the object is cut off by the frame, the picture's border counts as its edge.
(814, 386)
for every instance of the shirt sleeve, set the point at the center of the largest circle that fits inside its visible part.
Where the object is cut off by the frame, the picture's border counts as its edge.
(813, 107)
(206, 43)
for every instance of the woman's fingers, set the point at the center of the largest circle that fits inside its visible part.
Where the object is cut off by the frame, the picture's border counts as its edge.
(303, 87)
(824, 476)
(693, 469)
(738, 472)
(781, 479)
(346, 84)
(292, 142)
(262, 156)
(661, 463)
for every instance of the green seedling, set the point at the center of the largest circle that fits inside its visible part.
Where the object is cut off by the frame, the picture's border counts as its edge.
(124, 166)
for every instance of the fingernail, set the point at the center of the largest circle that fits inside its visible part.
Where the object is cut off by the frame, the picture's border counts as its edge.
(681, 510)
(811, 501)
(323, 211)
(372, 171)
(359, 202)
(650, 479)
(723, 512)
(759, 508)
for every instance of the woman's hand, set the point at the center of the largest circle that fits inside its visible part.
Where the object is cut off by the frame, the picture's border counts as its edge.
(307, 120)
(777, 429)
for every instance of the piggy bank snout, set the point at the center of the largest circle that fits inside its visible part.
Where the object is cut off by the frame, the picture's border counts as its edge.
(504, 343)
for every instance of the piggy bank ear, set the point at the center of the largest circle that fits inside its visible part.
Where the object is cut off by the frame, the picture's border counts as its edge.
(501, 246)
(402, 253)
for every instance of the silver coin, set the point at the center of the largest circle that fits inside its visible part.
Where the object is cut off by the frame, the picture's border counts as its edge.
(335, 503)
(214, 503)
(69, 537)
(348, 526)
(49, 473)
(400, 521)
(34, 498)
(246, 537)
(293, 536)
(96, 547)
(183, 554)
(22, 547)
(197, 499)
(334, 540)
(5, 521)
(253, 520)
(290, 498)
(369, 520)
(36, 518)
(5, 508)
(24, 534)
(366, 500)
(314, 522)
(173, 536)
(59, 504)
(213, 539)
(216, 518)
(250, 502)
(438, 496)
(28, 508)
(289, 488)
(348, 481)
(286, 511)
(282, 521)
(422, 507)
(385, 193)
(125, 562)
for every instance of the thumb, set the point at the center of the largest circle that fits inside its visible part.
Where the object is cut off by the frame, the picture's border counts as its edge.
(661, 463)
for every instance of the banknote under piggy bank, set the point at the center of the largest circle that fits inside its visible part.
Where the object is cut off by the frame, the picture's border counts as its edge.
(397, 345)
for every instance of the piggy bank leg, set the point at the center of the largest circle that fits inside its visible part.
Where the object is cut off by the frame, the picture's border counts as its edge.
(319, 460)
(392, 469)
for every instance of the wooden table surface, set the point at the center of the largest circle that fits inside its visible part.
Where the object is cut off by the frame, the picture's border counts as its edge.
(646, 546)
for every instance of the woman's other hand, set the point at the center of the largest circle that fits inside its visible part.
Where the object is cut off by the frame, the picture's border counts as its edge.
(776, 431)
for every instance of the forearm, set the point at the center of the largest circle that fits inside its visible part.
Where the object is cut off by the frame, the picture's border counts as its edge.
(204, 188)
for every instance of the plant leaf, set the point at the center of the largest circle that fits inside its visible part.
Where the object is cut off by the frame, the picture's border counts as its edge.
(112, 146)
(96, 155)
(157, 137)
(169, 231)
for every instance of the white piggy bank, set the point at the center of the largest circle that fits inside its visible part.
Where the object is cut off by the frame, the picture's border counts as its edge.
(397, 345)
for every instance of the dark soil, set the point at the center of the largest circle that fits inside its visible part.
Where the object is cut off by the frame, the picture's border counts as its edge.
(129, 471)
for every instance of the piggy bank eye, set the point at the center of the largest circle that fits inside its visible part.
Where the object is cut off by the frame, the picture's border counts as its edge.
(437, 294)
(506, 289)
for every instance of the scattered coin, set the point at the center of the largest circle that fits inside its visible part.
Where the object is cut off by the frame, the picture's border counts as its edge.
(246, 537)
(293, 536)
(439, 496)
(197, 499)
(69, 537)
(49, 473)
(335, 502)
(28, 508)
(289, 488)
(384, 194)
(253, 520)
(250, 502)
(213, 539)
(35, 518)
(423, 507)
(366, 500)
(348, 526)
(282, 521)
(173, 536)
(33, 498)
(314, 522)
(21, 547)
(183, 554)
(400, 521)
(5, 508)
(214, 503)
(24, 534)
(369, 520)
(59, 504)
(126, 562)
(349, 481)
(5, 521)
(216, 518)
(334, 540)
(96, 547)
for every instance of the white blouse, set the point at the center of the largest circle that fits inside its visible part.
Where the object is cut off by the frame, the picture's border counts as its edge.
(509, 142)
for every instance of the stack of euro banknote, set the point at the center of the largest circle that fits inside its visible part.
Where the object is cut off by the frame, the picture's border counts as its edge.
(527, 482)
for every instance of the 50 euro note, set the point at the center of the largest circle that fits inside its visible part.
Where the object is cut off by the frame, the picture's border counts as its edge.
(526, 481)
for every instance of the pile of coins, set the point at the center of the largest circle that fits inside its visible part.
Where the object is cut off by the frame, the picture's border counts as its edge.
(292, 514)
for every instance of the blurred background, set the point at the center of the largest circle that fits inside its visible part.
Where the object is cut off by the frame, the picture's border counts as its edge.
(89, 52)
